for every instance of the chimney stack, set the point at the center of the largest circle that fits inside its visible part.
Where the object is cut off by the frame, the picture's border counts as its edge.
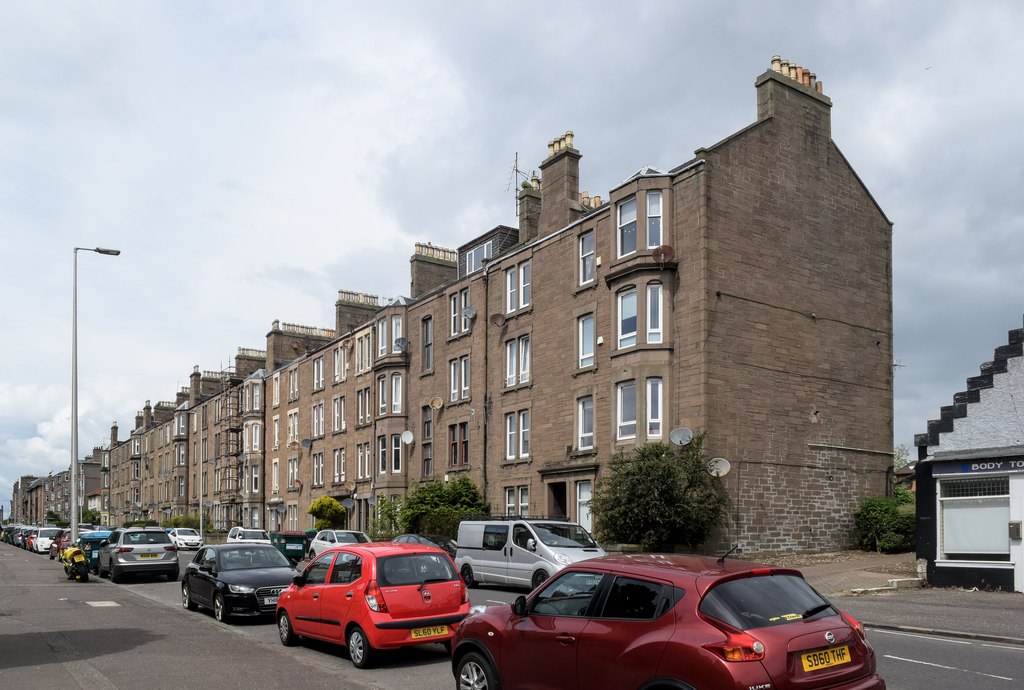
(560, 175)
(113, 434)
(147, 416)
(793, 94)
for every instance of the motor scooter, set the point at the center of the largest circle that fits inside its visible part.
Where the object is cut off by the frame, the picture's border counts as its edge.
(76, 565)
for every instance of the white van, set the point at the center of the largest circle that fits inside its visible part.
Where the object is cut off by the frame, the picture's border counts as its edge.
(520, 552)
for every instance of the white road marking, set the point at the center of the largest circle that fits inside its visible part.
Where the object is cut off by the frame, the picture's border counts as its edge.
(918, 635)
(99, 604)
(947, 668)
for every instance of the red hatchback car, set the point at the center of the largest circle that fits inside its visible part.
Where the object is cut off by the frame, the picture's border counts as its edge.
(665, 622)
(374, 596)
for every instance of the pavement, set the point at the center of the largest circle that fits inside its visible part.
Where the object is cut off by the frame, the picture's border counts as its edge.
(884, 591)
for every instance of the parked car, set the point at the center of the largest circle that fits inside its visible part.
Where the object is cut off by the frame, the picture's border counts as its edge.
(328, 538)
(59, 542)
(241, 535)
(431, 540)
(185, 538)
(374, 596)
(236, 580)
(44, 538)
(137, 551)
(520, 552)
(670, 620)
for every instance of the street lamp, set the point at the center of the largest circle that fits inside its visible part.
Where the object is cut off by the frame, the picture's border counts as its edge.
(74, 381)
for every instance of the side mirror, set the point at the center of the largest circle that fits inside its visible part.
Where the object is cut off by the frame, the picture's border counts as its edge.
(299, 579)
(104, 543)
(531, 544)
(519, 606)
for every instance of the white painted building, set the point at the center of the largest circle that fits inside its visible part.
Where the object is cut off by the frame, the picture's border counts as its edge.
(970, 480)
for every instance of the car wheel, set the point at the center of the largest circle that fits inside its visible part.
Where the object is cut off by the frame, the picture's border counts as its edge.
(538, 578)
(284, 630)
(467, 576)
(311, 555)
(474, 672)
(220, 612)
(186, 598)
(359, 649)
(115, 575)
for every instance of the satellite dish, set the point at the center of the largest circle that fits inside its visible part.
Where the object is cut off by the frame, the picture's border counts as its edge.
(406, 437)
(680, 436)
(498, 320)
(663, 253)
(719, 467)
(469, 312)
(281, 508)
(401, 344)
(346, 343)
(436, 403)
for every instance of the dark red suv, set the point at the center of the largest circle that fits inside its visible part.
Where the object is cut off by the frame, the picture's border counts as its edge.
(661, 622)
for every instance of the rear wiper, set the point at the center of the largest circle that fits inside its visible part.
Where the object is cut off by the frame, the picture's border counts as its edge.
(431, 581)
(817, 609)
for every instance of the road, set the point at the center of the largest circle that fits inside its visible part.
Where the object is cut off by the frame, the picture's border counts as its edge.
(98, 635)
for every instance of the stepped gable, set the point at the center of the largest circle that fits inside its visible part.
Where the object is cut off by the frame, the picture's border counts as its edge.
(975, 384)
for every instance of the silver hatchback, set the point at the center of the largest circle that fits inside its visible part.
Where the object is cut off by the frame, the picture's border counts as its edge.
(138, 550)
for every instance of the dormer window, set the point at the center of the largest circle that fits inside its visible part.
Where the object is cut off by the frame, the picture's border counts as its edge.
(475, 257)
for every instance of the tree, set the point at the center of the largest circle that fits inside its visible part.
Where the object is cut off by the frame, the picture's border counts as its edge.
(386, 525)
(328, 513)
(90, 516)
(659, 495)
(436, 507)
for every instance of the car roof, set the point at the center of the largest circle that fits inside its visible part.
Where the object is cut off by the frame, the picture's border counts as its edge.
(240, 545)
(387, 548)
(684, 570)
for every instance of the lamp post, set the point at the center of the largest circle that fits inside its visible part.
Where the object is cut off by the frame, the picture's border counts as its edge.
(74, 381)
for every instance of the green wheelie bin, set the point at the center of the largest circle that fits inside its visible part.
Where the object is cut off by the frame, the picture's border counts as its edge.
(91, 547)
(291, 543)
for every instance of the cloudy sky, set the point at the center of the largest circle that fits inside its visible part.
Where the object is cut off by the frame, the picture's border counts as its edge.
(251, 158)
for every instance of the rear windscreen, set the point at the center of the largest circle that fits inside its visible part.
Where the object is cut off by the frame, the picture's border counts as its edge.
(415, 568)
(758, 602)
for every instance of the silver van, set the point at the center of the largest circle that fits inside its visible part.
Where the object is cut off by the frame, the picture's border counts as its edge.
(520, 552)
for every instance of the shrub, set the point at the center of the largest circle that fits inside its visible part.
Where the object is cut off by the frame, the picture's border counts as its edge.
(659, 495)
(884, 526)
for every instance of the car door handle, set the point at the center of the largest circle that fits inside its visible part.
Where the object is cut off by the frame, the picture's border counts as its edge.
(316, 596)
(348, 595)
(565, 639)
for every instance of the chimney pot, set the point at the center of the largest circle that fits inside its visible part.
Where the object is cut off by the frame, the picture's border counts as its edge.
(800, 74)
(551, 148)
(568, 139)
(784, 67)
(818, 87)
(776, 63)
(814, 80)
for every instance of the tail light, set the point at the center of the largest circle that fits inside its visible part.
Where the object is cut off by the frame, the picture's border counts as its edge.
(465, 592)
(737, 645)
(855, 624)
(124, 549)
(171, 547)
(374, 598)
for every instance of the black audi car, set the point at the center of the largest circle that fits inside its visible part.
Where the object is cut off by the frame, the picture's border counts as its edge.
(236, 579)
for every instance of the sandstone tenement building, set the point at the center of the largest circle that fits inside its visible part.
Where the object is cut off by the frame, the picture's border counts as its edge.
(746, 292)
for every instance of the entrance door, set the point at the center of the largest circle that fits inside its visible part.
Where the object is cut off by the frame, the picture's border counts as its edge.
(558, 505)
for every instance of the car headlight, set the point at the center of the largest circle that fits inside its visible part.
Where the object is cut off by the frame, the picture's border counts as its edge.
(241, 589)
(562, 559)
